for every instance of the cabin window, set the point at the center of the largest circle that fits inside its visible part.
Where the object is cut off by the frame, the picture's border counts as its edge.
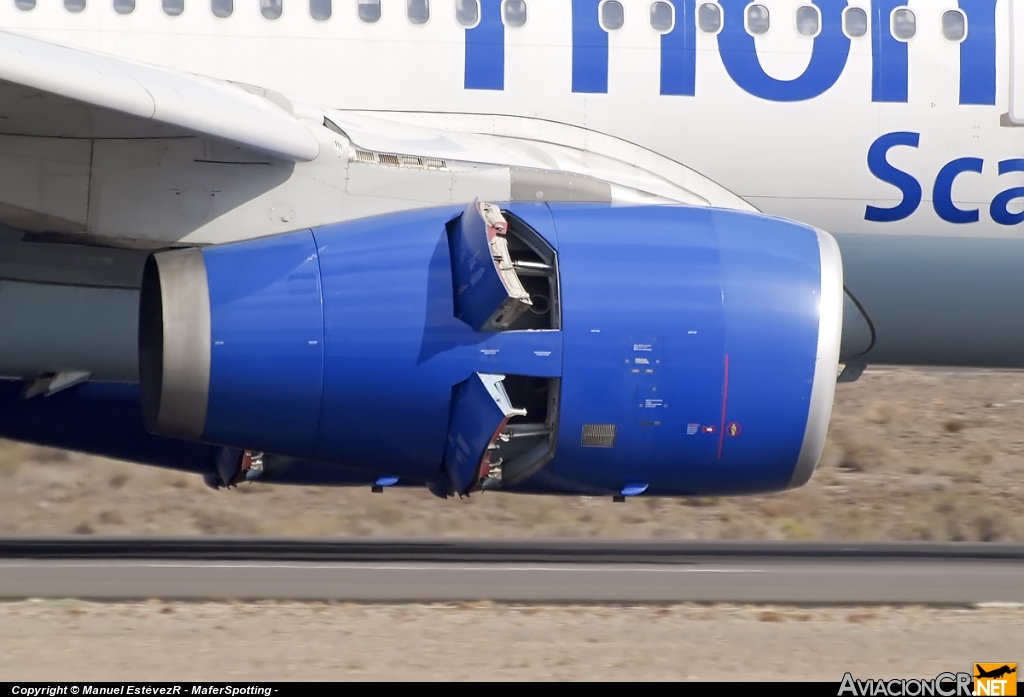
(663, 17)
(758, 20)
(418, 11)
(709, 18)
(467, 13)
(954, 25)
(904, 24)
(173, 8)
(321, 10)
(222, 8)
(74, 5)
(124, 7)
(513, 13)
(271, 9)
(368, 11)
(808, 21)
(25, 5)
(855, 22)
(612, 15)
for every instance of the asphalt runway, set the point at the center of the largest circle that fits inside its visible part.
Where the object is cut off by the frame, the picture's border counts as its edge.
(510, 571)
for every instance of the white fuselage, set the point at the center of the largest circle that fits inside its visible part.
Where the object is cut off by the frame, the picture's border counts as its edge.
(805, 159)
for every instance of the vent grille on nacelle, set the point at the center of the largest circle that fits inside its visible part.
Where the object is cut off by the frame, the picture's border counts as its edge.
(363, 156)
(599, 435)
(393, 160)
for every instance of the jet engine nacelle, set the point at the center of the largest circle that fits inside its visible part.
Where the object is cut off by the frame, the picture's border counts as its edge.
(559, 348)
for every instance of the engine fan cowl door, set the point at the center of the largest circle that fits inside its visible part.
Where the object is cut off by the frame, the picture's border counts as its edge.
(480, 412)
(488, 293)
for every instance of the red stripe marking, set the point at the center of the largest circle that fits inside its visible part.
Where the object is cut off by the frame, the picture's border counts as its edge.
(725, 401)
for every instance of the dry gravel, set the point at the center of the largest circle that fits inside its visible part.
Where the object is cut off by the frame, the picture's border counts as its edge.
(911, 455)
(69, 640)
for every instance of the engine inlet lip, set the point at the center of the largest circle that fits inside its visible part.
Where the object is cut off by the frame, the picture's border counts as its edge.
(174, 344)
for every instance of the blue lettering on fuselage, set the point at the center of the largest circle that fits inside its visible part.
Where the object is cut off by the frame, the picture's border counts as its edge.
(890, 80)
(828, 56)
(679, 52)
(942, 190)
(830, 51)
(485, 49)
(880, 167)
(998, 209)
(942, 193)
(589, 48)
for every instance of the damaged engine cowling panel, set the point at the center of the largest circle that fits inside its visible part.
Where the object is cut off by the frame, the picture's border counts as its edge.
(556, 348)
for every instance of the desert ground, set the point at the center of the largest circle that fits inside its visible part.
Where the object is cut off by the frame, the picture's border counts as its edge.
(236, 644)
(912, 454)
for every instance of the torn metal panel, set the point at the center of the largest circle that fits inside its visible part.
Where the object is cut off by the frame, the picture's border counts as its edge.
(488, 294)
(480, 411)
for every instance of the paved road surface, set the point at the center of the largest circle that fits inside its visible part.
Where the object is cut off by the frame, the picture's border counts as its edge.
(511, 571)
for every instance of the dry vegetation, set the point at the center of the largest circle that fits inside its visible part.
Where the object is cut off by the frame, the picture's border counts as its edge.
(911, 455)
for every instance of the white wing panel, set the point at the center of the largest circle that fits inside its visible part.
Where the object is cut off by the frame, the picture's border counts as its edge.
(155, 95)
(534, 143)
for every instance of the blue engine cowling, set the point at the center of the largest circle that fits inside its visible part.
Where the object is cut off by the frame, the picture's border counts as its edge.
(665, 350)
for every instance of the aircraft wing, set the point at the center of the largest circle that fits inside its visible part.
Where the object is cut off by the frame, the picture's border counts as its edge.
(52, 90)
(102, 150)
(104, 160)
(294, 281)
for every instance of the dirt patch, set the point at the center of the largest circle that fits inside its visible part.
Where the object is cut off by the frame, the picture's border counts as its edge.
(911, 455)
(70, 640)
